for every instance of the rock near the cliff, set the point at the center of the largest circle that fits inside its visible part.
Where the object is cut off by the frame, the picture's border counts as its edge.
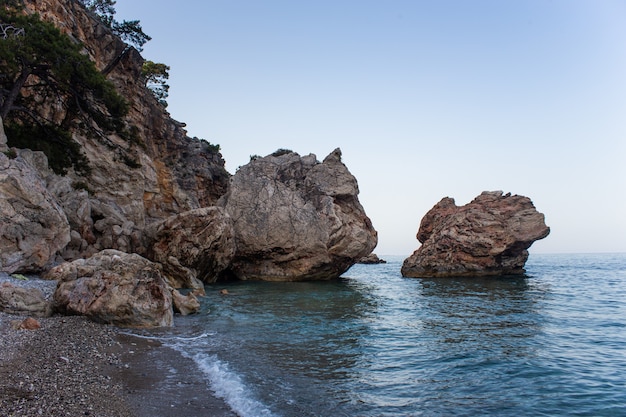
(114, 287)
(488, 236)
(23, 301)
(33, 227)
(185, 304)
(193, 247)
(296, 219)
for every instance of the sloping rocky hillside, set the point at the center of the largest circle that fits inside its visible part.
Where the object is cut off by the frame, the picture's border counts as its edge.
(136, 180)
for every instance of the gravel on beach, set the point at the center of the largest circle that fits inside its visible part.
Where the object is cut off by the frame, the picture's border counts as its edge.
(61, 369)
(72, 366)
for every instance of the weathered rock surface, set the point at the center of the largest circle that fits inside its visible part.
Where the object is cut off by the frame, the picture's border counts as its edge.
(28, 323)
(24, 301)
(193, 246)
(153, 172)
(185, 304)
(488, 236)
(33, 227)
(3, 138)
(296, 218)
(114, 287)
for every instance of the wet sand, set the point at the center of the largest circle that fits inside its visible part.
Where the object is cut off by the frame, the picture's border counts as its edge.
(160, 382)
(74, 367)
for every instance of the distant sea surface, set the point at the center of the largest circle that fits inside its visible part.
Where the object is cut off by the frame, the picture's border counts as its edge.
(550, 343)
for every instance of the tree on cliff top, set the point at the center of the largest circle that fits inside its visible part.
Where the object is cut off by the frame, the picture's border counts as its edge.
(155, 74)
(42, 68)
(127, 30)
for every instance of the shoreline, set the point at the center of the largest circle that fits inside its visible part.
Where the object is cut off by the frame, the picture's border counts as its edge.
(72, 366)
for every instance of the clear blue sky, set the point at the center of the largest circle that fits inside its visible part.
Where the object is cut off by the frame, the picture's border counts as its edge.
(426, 99)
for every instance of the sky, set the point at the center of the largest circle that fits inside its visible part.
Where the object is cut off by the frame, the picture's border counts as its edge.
(426, 99)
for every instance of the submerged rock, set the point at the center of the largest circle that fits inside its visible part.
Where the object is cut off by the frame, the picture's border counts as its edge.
(296, 219)
(372, 259)
(114, 287)
(488, 236)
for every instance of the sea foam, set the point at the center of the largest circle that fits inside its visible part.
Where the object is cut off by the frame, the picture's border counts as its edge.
(229, 386)
(222, 380)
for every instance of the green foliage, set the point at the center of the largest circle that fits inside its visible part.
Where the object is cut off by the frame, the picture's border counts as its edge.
(212, 148)
(104, 9)
(62, 151)
(131, 31)
(46, 69)
(19, 276)
(281, 152)
(131, 135)
(156, 75)
(128, 30)
(81, 185)
(10, 154)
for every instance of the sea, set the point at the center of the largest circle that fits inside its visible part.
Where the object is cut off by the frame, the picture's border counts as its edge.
(372, 343)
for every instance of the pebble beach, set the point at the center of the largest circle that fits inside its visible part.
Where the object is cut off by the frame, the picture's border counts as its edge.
(71, 366)
(64, 368)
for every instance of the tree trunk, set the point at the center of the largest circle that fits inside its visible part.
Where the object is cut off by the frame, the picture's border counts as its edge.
(6, 106)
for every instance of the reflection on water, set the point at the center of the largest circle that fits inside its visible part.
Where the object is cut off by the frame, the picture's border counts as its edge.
(481, 313)
(376, 344)
(429, 338)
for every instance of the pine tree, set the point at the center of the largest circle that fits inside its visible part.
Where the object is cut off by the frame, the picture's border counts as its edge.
(39, 67)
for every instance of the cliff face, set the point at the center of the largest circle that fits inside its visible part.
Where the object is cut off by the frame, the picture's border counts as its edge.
(153, 192)
(136, 180)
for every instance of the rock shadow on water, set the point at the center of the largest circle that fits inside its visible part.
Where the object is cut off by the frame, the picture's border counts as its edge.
(486, 314)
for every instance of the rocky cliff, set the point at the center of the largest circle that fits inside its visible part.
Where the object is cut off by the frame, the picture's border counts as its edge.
(488, 236)
(152, 173)
(157, 210)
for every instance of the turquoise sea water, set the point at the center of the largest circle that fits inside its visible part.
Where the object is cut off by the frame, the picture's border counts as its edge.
(375, 344)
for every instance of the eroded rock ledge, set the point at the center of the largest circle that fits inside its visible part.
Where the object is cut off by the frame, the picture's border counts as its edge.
(489, 236)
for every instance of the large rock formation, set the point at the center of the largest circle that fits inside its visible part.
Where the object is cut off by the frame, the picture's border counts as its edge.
(307, 222)
(33, 227)
(114, 287)
(296, 218)
(488, 236)
(151, 173)
(193, 247)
